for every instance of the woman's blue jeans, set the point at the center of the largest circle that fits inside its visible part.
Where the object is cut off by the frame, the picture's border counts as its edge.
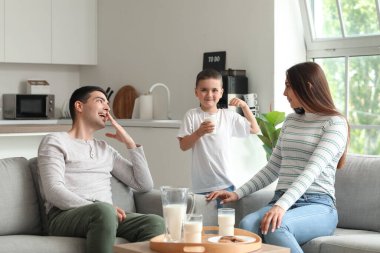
(313, 215)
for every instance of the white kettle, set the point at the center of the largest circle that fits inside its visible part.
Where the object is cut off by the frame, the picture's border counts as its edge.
(146, 106)
(143, 108)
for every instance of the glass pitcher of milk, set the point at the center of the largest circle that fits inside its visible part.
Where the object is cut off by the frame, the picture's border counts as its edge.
(174, 205)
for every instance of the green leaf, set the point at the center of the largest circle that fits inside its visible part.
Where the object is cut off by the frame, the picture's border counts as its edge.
(272, 134)
(276, 134)
(262, 117)
(264, 127)
(268, 152)
(267, 130)
(265, 140)
(275, 117)
(269, 133)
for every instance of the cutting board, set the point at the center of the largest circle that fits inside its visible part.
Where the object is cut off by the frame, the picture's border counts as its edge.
(124, 101)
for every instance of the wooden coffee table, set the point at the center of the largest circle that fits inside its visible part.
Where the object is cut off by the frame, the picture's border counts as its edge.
(143, 247)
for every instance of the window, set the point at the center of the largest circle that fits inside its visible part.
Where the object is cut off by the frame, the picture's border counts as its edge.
(343, 18)
(343, 36)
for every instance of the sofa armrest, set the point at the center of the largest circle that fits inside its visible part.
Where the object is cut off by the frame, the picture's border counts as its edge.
(207, 208)
(150, 202)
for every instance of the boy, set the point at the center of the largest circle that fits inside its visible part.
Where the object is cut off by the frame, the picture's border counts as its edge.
(210, 142)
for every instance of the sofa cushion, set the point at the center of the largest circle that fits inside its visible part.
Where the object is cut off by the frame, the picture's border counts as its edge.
(19, 205)
(45, 244)
(42, 244)
(122, 196)
(40, 195)
(357, 187)
(345, 241)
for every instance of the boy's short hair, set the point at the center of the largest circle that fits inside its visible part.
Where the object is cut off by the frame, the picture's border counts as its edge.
(81, 94)
(208, 74)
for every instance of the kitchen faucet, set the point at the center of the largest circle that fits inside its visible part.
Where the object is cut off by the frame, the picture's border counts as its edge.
(168, 93)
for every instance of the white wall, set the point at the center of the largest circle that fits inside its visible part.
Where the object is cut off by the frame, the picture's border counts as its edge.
(63, 79)
(142, 42)
(289, 47)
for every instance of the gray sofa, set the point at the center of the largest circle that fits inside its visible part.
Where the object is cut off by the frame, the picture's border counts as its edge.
(23, 219)
(358, 204)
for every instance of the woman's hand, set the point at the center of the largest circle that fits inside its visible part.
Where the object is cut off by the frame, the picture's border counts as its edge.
(272, 218)
(225, 196)
(120, 214)
(120, 135)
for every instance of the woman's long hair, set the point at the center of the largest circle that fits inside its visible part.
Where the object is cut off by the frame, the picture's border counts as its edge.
(309, 84)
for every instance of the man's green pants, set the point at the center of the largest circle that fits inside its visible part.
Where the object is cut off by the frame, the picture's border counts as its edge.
(98, 223)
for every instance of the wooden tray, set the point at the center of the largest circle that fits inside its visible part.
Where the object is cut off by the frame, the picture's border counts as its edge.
(158, 244)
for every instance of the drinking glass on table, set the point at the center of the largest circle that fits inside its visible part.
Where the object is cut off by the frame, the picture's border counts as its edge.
(193, 228)
(226, 221)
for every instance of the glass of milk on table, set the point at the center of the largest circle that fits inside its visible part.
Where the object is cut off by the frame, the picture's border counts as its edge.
(192, 228)
(226, 221)
(174, 205)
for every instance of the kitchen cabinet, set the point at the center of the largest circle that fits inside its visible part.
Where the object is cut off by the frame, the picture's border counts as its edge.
(1, 30)
(27, 31)
(74, 28)
(49, 31)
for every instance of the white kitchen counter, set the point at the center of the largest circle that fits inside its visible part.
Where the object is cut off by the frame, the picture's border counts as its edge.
(149, 123)
(30, 122)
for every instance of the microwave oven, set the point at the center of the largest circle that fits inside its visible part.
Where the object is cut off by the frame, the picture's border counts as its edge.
(28, 106)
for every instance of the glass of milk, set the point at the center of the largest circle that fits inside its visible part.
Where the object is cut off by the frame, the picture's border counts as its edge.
(174, 205)
(226, 221)
(192, 228)
(213, 119)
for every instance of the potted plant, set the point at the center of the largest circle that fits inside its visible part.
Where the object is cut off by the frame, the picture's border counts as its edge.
(268, 123)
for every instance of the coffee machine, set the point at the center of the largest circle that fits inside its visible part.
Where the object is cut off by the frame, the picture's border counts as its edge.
(235, 84)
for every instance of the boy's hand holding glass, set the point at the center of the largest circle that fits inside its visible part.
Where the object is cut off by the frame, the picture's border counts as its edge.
(206, 127)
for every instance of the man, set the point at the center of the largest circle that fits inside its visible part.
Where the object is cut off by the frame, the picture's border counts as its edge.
(75, 170)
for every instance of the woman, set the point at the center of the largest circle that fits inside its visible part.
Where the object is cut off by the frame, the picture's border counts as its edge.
(311, 146)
